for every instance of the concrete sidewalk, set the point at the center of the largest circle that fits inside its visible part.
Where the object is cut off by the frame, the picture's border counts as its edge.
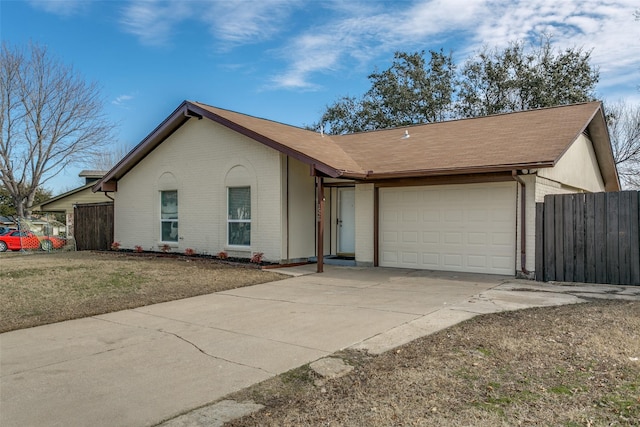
(143, 366)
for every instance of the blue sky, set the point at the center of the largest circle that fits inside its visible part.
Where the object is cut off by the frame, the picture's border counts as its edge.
(286, 60)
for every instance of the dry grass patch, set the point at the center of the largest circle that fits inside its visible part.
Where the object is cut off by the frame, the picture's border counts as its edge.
(564, 366)
(37, 289)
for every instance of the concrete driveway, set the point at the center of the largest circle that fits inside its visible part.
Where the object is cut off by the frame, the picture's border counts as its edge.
(142, 366)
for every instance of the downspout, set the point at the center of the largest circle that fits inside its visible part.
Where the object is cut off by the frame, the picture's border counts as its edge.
(523, 223)
(108, 196)
(288, 255)
(320, 219)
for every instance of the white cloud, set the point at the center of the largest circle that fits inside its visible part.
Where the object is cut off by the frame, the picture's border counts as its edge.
(608, 29)
(365, 31)
(60, 7)
(122, 100)
(242, 22)
(313, 54)
(154, 21)
(341, 35)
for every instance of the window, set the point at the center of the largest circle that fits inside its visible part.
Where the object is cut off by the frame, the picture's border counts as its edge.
(169, 216)
(239, 216)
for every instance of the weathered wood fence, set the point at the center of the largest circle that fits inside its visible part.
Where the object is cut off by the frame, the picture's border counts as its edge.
(93, 226)
(590, 237)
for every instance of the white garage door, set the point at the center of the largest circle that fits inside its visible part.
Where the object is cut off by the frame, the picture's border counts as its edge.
(468, 227)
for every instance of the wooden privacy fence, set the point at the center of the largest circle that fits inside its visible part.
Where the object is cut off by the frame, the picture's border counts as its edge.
(93, 226)
(589, 237)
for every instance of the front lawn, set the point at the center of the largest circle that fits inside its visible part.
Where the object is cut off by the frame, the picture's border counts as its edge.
(41, 288)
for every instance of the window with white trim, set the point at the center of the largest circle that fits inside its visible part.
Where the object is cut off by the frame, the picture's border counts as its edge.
(169, 216)
(239, 216)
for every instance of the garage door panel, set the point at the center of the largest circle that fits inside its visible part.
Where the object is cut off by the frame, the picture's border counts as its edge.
(430, 215)
(502, 262)
(453, 215)
(410, 258)
(431, 260)
(481, 215)
(501, 216)
(389, 215)
(410, 216)
(389, 237)
(502, 239)
(452, 260)
(455, 228)
(477, 261)
(430, 237)
(409, 237)
(475, 238)
(389, 257)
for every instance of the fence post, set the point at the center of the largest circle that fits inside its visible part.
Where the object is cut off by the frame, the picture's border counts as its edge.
(549, 239)
(540, 242)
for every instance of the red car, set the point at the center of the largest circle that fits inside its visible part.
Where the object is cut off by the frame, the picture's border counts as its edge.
(17, 240)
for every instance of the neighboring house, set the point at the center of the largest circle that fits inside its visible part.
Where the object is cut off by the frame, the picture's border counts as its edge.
(40, 225)
(456, 196)
(7, 222)
(65, 202)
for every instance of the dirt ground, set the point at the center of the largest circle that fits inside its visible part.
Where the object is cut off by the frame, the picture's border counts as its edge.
(41, 288)
(574, 365)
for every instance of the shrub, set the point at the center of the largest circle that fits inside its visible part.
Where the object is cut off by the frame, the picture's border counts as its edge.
(138, 248)
(115, 246)
(223, 255)
(165, 248)
(256, 258)
(189, 252)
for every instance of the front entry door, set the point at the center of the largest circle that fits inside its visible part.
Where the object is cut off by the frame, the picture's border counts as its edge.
(346, 221)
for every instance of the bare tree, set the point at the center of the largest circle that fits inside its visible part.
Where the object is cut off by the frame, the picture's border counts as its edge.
(51, 118)
(624, 130)
(107, 159)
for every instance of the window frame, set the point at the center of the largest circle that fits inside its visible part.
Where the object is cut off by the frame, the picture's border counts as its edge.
(237, 220)
(169, 220)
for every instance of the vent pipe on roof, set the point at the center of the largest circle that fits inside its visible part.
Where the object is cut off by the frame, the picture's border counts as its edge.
(406, 135)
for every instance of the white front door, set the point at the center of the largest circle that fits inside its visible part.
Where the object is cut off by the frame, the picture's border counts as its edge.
(346, 221)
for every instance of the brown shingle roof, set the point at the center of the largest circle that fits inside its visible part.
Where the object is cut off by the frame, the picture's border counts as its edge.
(534, 138)
(529, 139)
(306, 145)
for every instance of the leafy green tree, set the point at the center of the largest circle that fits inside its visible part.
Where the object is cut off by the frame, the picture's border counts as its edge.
(411, 91)
(51, 118)
(517, 78)
(414, 90)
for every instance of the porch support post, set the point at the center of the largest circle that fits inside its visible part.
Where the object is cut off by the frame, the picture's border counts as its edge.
(320, 219)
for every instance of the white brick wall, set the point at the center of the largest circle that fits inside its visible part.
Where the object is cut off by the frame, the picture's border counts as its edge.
(364, 223)
(577, 168)
(199, 155)
(302, 212)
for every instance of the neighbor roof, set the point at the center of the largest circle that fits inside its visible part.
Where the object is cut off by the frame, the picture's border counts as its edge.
(42, 207)
(522, 140)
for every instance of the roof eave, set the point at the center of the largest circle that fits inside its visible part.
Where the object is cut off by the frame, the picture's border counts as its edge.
(601, 141)
(39, 207)
(458, 171)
